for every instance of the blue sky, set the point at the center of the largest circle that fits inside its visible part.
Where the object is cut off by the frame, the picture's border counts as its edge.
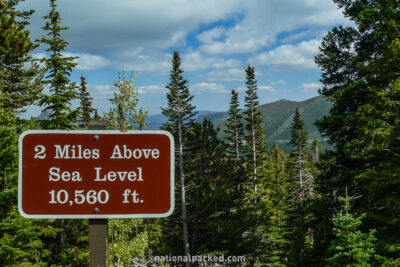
(216, 38)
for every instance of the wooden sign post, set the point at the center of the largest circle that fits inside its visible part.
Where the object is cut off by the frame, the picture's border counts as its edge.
(98, 228)
(96, 174)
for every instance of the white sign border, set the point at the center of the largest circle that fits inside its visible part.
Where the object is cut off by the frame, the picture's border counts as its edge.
(97, 216)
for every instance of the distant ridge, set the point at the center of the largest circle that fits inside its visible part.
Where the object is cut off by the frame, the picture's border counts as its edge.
(278, 116)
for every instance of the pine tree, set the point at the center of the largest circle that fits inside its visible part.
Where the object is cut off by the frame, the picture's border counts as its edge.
(300, 157)
(206, 187)
(180, 113)
(21, 240)
(124, 114)
(86, 103)
(360, 76)
(62, 91)
(19, 82)
(255, 137)
(257, 197)
(350, 246)
(300, 190)
(276, 231)
(235, 130)
(72, 244)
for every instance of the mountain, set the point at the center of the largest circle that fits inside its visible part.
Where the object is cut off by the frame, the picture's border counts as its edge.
(154, 122)
(278, 116)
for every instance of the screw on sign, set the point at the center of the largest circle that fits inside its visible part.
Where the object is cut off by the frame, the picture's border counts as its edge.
(96, 174)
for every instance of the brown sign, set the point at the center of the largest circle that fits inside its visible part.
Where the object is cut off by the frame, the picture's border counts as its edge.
(96, 174)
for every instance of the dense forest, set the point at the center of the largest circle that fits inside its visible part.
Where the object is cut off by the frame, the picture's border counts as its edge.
(236, 195)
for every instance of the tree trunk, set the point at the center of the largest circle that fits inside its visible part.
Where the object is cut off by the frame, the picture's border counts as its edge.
(254, 160)
(183, 197)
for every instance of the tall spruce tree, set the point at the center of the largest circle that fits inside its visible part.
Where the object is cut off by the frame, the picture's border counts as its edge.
(22, 240)
(256, 196)
(300, 157)
(301, 189)
(180, 113)
(360, 67)
(206, 187)
(19, 82)
(276, 232)
(234, 129)
(62, 91)
(86, 103)
(72, 244)
(255, 136)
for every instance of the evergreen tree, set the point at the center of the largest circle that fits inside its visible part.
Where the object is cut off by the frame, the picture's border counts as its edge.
(22, 240)
(350, 247)
(180, 113)
(19, 82)
(257, 196)
(124, 115)
(300, 157)
(276, 230)
(255, 137)
(360, 76)
(234, 129)
(86, 103)
(206, 188)
(62, 91)
(300, 190)
(72, 244)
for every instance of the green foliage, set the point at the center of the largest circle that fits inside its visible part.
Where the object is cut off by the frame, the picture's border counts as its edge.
(300, 191)
(62, 91)
(360, 75)
(86, 103)
(206, 185)
(179, 113)
(300, 158)
(128, 239)
(234, 129)
(125, 115)
(275, 227)
(350, 247)
(255, 135)
(19, 82)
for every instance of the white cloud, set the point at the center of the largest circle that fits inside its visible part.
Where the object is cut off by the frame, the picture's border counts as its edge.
(114, 27)
(241, 89)
(89, 61)
(209, 87)
(310, 87)
(227, 75)
(298, 57)
(152, 89)
(279, 82)
(210, 35)
(155, 63)
(84, 61)
(262, 21)
(267, 88)
(102, 89)
(197, 61)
